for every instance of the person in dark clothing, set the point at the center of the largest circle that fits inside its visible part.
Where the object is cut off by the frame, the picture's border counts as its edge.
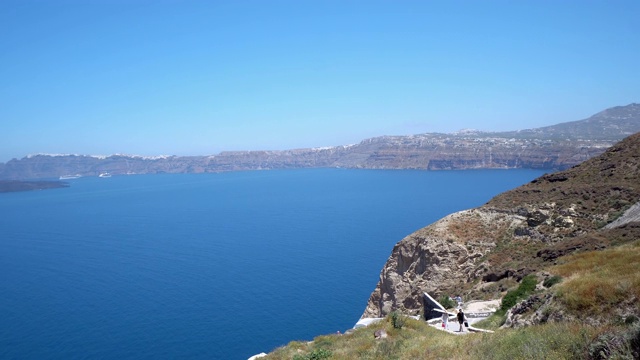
(460, 319)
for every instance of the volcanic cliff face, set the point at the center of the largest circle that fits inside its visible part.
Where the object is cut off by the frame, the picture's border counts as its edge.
(438, 259)
(554, 147)
(516, 233)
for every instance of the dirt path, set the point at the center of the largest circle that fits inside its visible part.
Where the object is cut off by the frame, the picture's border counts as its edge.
(475, 311)
(481, 306)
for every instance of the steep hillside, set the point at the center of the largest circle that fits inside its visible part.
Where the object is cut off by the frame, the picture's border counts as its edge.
(483, 251)
(613, 123)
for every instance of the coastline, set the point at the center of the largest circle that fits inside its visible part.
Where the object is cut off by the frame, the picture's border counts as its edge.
(17, 185)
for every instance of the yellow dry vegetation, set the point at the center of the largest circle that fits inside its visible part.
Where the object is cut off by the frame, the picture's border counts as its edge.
(599, 281)
(417, 340)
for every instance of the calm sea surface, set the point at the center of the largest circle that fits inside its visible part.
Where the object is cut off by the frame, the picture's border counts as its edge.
(215, 266)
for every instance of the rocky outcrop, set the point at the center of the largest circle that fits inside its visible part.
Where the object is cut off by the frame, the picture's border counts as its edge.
(516, 232)
(438, 258)
(533, 310)
(632, 215)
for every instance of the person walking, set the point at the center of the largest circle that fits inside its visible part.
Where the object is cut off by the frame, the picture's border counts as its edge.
(460, 318)
(445, 321)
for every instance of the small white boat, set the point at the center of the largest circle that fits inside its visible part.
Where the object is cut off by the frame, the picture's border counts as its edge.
(69, 177)
(104, 175)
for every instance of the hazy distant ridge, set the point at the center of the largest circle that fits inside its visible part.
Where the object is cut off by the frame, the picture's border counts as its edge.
(553, 147)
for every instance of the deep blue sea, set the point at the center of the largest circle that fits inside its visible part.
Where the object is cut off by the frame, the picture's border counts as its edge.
(211, 266)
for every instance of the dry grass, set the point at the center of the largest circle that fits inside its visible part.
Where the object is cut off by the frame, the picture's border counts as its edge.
(472, 225)
(417, 340)
(599, 281)
(594, 283)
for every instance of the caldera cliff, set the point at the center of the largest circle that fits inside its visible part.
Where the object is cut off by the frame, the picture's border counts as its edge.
(481, 252)
(553, 147)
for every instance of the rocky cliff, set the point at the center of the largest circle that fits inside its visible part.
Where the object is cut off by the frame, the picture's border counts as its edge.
(481, 251)
(554, 147)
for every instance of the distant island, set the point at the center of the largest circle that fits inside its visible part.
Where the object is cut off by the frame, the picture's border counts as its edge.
(554, 147)
(15, 185)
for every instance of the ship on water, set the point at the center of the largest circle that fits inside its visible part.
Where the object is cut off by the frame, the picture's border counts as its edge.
(69, 177)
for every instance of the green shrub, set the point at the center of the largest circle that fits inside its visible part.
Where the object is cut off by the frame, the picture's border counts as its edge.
(550, 281)
(509, 300)
(316, 354)
(526, 287)
(397, 320)
(447, 302)
(528, 284)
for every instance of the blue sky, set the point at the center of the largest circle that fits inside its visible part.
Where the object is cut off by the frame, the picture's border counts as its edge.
(200, 77)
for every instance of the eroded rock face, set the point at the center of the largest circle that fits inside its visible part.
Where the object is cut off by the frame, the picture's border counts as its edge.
(516, 232)
(533, 310)
(442, 257)
(437, 258)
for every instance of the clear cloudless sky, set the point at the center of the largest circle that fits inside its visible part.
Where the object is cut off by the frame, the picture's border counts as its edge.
(199, 77)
